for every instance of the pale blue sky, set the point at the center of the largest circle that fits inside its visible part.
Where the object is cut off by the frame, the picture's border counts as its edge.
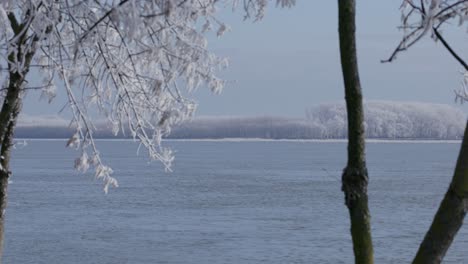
(289, 62)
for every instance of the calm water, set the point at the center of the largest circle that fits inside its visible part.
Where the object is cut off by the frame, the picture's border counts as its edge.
(226, 202)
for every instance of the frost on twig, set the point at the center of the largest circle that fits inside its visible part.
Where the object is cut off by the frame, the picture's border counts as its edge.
(127, 60)
(134, 62)
(461, 95)
(257, 8)
(427, 17)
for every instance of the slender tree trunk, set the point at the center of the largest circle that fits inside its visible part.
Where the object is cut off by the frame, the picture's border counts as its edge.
(449, 217)
(11, 108)
(4, 176)
(354, 178)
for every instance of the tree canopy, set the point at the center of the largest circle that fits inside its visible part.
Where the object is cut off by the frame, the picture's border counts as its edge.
(133, 62)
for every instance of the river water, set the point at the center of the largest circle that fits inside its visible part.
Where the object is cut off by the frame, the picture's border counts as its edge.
(225, 202)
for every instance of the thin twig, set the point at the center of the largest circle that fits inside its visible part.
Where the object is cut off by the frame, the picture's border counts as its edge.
(447, 46)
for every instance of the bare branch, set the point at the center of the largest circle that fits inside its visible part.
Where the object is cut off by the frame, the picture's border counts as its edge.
(452, 52)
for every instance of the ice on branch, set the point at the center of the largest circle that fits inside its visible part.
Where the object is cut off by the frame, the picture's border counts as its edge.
(461, 94)
(74, 141)
(82, 163)
(134, 62)
(428, 17)
(104, 173)
(49, 92)
(223, 28)
(257, 8)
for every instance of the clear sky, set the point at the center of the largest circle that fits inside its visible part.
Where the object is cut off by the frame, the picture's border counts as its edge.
(289, 62)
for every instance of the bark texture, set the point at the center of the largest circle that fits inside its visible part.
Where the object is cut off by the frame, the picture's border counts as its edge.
(449, 217)
(354, 178)
(8, 117)
(11, 107)
(5, 173)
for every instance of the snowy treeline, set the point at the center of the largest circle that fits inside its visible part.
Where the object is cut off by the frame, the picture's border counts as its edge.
(208, 127)
(244, 127)
(383, 119)
(327, 121)
(386, 119)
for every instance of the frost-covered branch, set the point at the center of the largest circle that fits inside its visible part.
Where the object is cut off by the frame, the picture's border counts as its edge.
(420, 18)
(134, 62)
(257, 8)
(118, 58)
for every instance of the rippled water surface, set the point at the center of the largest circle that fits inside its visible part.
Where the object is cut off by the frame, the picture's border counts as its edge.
(225, 202)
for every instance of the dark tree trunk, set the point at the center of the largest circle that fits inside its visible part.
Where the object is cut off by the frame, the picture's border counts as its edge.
(4, 176)
(354, 178)
(449, 217)
(14, 106)
(11, 108)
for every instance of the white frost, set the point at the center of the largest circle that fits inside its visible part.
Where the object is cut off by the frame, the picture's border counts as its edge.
(133, 62)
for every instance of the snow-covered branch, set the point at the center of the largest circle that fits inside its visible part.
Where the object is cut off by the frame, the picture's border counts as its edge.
(134, 62)
(427, 17)
(124, 59)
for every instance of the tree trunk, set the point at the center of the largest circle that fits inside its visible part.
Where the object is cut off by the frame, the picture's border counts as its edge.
(12, 104)
(4, 176)
(354, 178)
(449, 217)
(11, 108)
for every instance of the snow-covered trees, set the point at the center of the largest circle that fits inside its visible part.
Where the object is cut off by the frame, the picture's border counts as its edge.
(133, 62)
(130, 61)
(420, 18)
(387, 119)
(383, 120)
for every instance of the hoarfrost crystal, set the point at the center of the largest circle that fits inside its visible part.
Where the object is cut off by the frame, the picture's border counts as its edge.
(128, 60)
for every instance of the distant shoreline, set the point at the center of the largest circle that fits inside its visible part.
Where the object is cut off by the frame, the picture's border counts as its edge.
(385, 121)
(373, 140)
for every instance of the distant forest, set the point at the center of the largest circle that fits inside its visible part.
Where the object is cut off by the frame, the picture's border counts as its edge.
(384, 120)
